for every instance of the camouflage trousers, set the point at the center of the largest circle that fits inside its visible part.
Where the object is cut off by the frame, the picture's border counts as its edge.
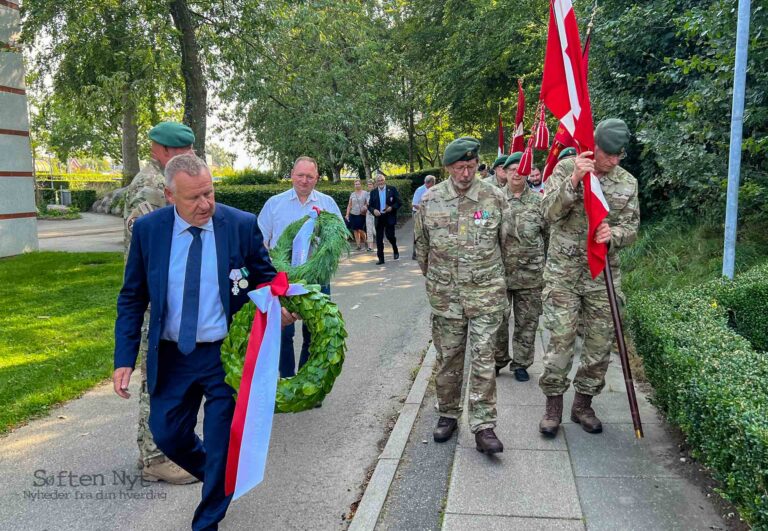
(525, 305)
(450, 339)
(563, 310)
(148, 451)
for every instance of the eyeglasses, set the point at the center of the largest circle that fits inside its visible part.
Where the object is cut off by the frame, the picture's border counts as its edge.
(471, 169)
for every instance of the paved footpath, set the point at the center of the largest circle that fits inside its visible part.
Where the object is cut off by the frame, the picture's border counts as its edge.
(577, 480)
(92, 232)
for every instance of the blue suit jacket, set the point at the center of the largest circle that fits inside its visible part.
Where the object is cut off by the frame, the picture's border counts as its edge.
(393, 200)
(238, 243)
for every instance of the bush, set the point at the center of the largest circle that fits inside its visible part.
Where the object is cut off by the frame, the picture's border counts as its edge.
(249, 176)
(252, 198)
(417, 177)
(711, 382)
(83, 199)
(47, 197)
(747, 304)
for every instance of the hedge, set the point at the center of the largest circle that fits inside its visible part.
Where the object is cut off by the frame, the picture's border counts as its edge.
(248, 176)
(747, 304)
(252, 198)
(417, 177)
(83, 199)
(710, 381)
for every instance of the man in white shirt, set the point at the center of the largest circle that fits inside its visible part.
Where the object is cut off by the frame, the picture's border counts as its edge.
(429, 182)
(280, 211)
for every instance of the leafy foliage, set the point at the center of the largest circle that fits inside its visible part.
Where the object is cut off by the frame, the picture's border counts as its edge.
(330, 240)
(99, 60)
(309, 78)
(666, 67)
(711, 382)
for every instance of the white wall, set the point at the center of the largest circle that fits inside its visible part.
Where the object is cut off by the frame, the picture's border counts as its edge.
(18, 224)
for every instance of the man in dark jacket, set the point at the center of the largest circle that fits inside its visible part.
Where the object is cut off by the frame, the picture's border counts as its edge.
(383, 204)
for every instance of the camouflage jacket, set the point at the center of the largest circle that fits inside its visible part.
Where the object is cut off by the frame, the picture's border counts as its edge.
(524, 249)
(458, 247)
(491, 179)
(563, 208)
(142, 196)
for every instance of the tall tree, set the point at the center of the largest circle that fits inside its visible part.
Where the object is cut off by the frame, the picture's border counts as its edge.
(310, 79)
(99, 74)
(195, 91)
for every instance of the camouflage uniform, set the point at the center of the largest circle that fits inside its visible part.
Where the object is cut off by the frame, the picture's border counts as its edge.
(568, 284)
(491, 179)
(460, 256)
(524, 259)
(143, 195)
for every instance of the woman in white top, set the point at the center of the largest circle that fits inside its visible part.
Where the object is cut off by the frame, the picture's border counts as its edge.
(356, 211)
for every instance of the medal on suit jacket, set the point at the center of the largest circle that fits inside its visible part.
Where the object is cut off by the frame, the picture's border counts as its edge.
(237, 276)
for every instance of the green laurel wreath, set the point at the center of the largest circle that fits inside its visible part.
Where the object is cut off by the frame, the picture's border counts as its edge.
(326, 350)
(329, 240)
(323, 319)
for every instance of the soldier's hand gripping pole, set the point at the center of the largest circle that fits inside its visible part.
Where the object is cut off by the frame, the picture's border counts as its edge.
(633, 409)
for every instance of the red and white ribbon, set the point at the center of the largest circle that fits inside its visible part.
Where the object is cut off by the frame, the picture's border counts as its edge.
(252, 423)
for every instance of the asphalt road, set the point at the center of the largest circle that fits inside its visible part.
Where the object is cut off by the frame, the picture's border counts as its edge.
(73, 469)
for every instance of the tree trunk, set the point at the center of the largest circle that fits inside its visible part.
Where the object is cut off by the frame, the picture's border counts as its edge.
(364, 159)
(411, 139)
(195, 92)
(130, 148)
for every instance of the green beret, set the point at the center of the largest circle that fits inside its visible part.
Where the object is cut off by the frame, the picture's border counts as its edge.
(499, 161)
(567, 152)
(514, 158)
(612, 135)
(464, 148)
(172, 134)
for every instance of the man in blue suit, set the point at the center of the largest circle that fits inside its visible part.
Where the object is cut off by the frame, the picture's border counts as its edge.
(195, 261)
(383, 204)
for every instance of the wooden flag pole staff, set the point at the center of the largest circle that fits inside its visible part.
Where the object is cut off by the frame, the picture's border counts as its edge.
(628, 382)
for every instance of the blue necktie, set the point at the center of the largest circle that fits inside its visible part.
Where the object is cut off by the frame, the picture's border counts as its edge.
(191, 300)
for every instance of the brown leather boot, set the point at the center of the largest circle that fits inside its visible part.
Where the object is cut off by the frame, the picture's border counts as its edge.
(445, 428)
(487, 442)
(553, 416)
(582, 413)
(169, 472)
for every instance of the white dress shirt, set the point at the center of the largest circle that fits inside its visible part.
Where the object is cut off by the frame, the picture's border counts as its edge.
(417, 195)
(211, 321)
(283, 209)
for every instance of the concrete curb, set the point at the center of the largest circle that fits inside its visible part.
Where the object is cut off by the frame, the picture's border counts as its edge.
(375, 495)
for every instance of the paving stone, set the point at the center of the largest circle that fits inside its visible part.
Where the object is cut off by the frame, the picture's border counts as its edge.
(617, 453)
(518, 429)
(613, 407)
(645, 503)
(473, 522)
(526, 483)
(511, 392)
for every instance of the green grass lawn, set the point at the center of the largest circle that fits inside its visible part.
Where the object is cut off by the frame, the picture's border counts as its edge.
(56, 329)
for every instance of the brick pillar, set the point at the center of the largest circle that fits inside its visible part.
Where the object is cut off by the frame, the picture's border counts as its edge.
(18, 222)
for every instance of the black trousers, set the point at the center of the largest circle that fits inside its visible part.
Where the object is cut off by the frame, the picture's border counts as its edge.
(384, 229)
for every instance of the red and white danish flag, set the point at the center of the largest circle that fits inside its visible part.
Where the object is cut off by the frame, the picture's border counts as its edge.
(565, 92)
(518, 136)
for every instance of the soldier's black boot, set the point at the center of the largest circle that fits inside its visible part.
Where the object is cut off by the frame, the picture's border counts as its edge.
(521, 375)
(553, 416)
(445, 428)
(582, 413)
(487, 442)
